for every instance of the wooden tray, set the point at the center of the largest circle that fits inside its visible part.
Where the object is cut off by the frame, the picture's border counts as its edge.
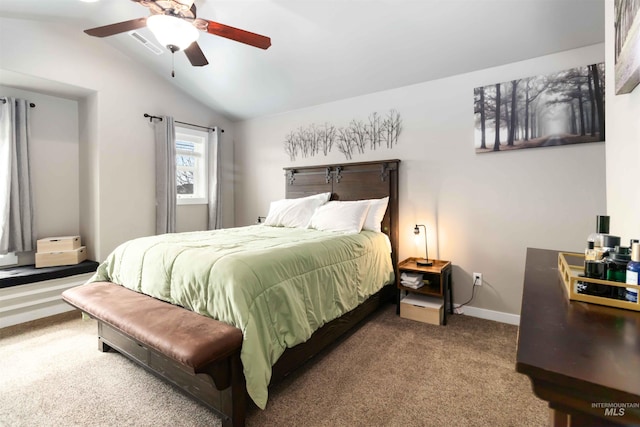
(571, 268)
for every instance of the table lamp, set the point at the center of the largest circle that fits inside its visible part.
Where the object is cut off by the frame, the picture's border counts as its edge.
(424, 262)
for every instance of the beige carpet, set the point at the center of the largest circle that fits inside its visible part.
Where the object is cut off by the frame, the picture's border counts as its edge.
(390, 372)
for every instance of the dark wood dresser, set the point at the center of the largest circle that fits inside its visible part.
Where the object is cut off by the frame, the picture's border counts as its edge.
(584, 359)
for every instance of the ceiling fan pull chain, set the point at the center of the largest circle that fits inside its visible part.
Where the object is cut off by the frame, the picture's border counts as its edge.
(173, 66)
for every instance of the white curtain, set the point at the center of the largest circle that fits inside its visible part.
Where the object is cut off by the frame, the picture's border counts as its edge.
(17, 227)
(165, 175)
(215, 180)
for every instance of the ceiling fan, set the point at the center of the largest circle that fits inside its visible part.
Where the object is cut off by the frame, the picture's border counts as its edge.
(175, 25)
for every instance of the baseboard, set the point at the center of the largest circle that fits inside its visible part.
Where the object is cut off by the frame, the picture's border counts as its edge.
(483, 313)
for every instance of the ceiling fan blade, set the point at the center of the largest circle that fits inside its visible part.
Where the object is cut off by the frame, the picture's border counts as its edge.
(120, 27)
(195, 55)
(238, 35)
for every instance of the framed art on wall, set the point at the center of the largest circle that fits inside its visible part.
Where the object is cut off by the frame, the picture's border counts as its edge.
(562, 108)
(355, 138)
(627, 45)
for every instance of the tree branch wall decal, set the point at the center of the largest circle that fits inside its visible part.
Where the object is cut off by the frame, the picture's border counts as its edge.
(355, 138)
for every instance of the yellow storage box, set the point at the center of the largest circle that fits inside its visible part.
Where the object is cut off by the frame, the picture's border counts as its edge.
(422, 308)
(56, 244)
(53, 259)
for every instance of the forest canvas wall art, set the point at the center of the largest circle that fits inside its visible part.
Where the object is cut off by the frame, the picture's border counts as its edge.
(562, 108)
(627, 45)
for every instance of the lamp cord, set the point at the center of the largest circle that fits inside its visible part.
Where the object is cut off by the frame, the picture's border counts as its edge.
(473, 293)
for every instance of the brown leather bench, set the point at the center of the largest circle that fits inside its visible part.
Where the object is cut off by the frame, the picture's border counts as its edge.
(174, 343)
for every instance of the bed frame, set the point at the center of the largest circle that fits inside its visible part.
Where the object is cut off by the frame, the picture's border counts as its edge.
(350, 181)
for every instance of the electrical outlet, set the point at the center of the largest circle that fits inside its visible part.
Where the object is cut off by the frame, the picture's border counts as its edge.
(477, 279)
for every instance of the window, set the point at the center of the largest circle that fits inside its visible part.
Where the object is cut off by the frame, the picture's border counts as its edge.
(191, 166)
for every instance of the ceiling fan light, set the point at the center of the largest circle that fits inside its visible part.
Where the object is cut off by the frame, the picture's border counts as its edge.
(184, 4)
(172, 31)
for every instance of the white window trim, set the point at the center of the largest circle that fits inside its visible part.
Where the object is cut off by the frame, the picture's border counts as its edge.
(189, 200)
(196, 136)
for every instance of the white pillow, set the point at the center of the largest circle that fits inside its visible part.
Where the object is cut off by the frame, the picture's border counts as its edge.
(344, 217)
(294, 212)
(377, 209)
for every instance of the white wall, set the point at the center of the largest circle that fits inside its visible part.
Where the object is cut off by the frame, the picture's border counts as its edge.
(482, 211)
(117, 169)
(54, 156)
(623, 146)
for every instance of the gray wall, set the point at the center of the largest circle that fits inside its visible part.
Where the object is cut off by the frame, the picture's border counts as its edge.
(623, 147)
(54, 156)
(116, 144)
(481, 211)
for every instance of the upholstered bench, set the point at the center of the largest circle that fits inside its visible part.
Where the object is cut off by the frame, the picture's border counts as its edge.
(196, 353)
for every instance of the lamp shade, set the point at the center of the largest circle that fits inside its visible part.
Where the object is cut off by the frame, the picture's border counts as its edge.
(172, 31)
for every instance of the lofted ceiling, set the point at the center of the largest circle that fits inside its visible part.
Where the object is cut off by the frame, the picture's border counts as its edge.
(326, 50)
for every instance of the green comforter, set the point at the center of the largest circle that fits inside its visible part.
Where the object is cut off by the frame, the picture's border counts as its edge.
(278, 285)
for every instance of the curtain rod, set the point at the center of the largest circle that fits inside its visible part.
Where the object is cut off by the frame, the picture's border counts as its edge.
(31, 104)
(150, 117)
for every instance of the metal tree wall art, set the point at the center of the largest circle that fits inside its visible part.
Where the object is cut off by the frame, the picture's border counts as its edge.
(554, 109)
(356, 138)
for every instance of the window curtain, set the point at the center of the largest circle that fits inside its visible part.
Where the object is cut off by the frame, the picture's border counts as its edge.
(165, 135)
(17, 225)
(215, 180)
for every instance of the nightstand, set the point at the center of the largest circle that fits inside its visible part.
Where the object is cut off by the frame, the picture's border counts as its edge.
(437, 278)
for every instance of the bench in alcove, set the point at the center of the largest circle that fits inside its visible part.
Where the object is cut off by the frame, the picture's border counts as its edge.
(14, 276)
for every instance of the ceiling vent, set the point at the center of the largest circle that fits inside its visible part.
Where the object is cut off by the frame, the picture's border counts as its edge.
(146, 43)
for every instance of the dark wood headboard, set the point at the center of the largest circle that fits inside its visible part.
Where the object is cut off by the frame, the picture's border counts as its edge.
(352, 181)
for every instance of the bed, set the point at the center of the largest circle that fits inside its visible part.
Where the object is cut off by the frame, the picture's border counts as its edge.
(321, 325)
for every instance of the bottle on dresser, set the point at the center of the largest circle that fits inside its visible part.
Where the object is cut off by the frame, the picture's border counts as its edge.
(594, 263)
(590, 252)
(632, 273)
(602, 229)
(599, 245)
(617, 262)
